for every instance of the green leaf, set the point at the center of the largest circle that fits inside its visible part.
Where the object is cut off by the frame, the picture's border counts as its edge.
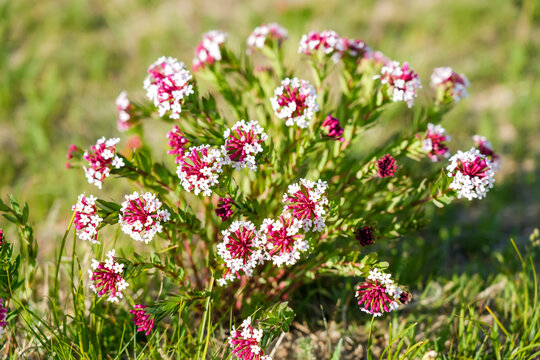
(108, 206)
(336, 355)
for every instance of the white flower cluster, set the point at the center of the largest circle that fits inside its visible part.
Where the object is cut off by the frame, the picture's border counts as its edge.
(141, 216)
(445, 76)
(242, 144)
(86, 218)
(198, 171)
(307, 202)
(167, 84)
(111, 265)
(295, 101)
(257, 39)
(394, 291)
(471, 173)
(327, 41)
(283, 240)
(104, 151)
(403, 82)
(242, 249)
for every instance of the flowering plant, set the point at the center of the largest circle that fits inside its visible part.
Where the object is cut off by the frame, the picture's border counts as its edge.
(268, 181)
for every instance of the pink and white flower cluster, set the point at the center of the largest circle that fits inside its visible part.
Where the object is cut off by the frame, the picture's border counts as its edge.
(328, 42)
(86, 218)
(295, 101)
(378, 294)
(485, 148)
(141, 216)
(242, 144)
(451, 84)
(284, 242)
(435, 142)
(306, 202)
(106, 278)
(356, 48)
(124, 109)
(102, 159)
(471, 173)
(199, 169)
(209, 49)
(167, 84)
(278, 240)
(242, 249)
(177, 142)
(271, 32)
(402, 82)
(245, 342)
(200, 166)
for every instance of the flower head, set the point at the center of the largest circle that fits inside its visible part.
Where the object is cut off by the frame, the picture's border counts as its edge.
(284, 243)
(1, 237)
(107, 278)
(178, 143)
(167, 84)
(242, 249)
(3, 312)
(199, 169)
(295, 101)
(356, 48)
(271, 32)
(378, 294)
(402, 82)
(386, 166)
(224, 208)
(141, 216)
(143, 320)
(327, 42)
(242, 144)
(124, 108)
(435, 142)
(485, 148)
(306, 201)
(101, 159)
(405, 297)
(86, 218)
(334, 128)
(209, 49)
(245, 342)
(74, 151)
(471, 173)
(449, 84)
(364, 235)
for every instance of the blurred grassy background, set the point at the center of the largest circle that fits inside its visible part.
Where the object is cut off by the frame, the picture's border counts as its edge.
(64, 62)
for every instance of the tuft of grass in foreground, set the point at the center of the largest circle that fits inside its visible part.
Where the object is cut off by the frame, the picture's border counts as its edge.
(463, 316)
